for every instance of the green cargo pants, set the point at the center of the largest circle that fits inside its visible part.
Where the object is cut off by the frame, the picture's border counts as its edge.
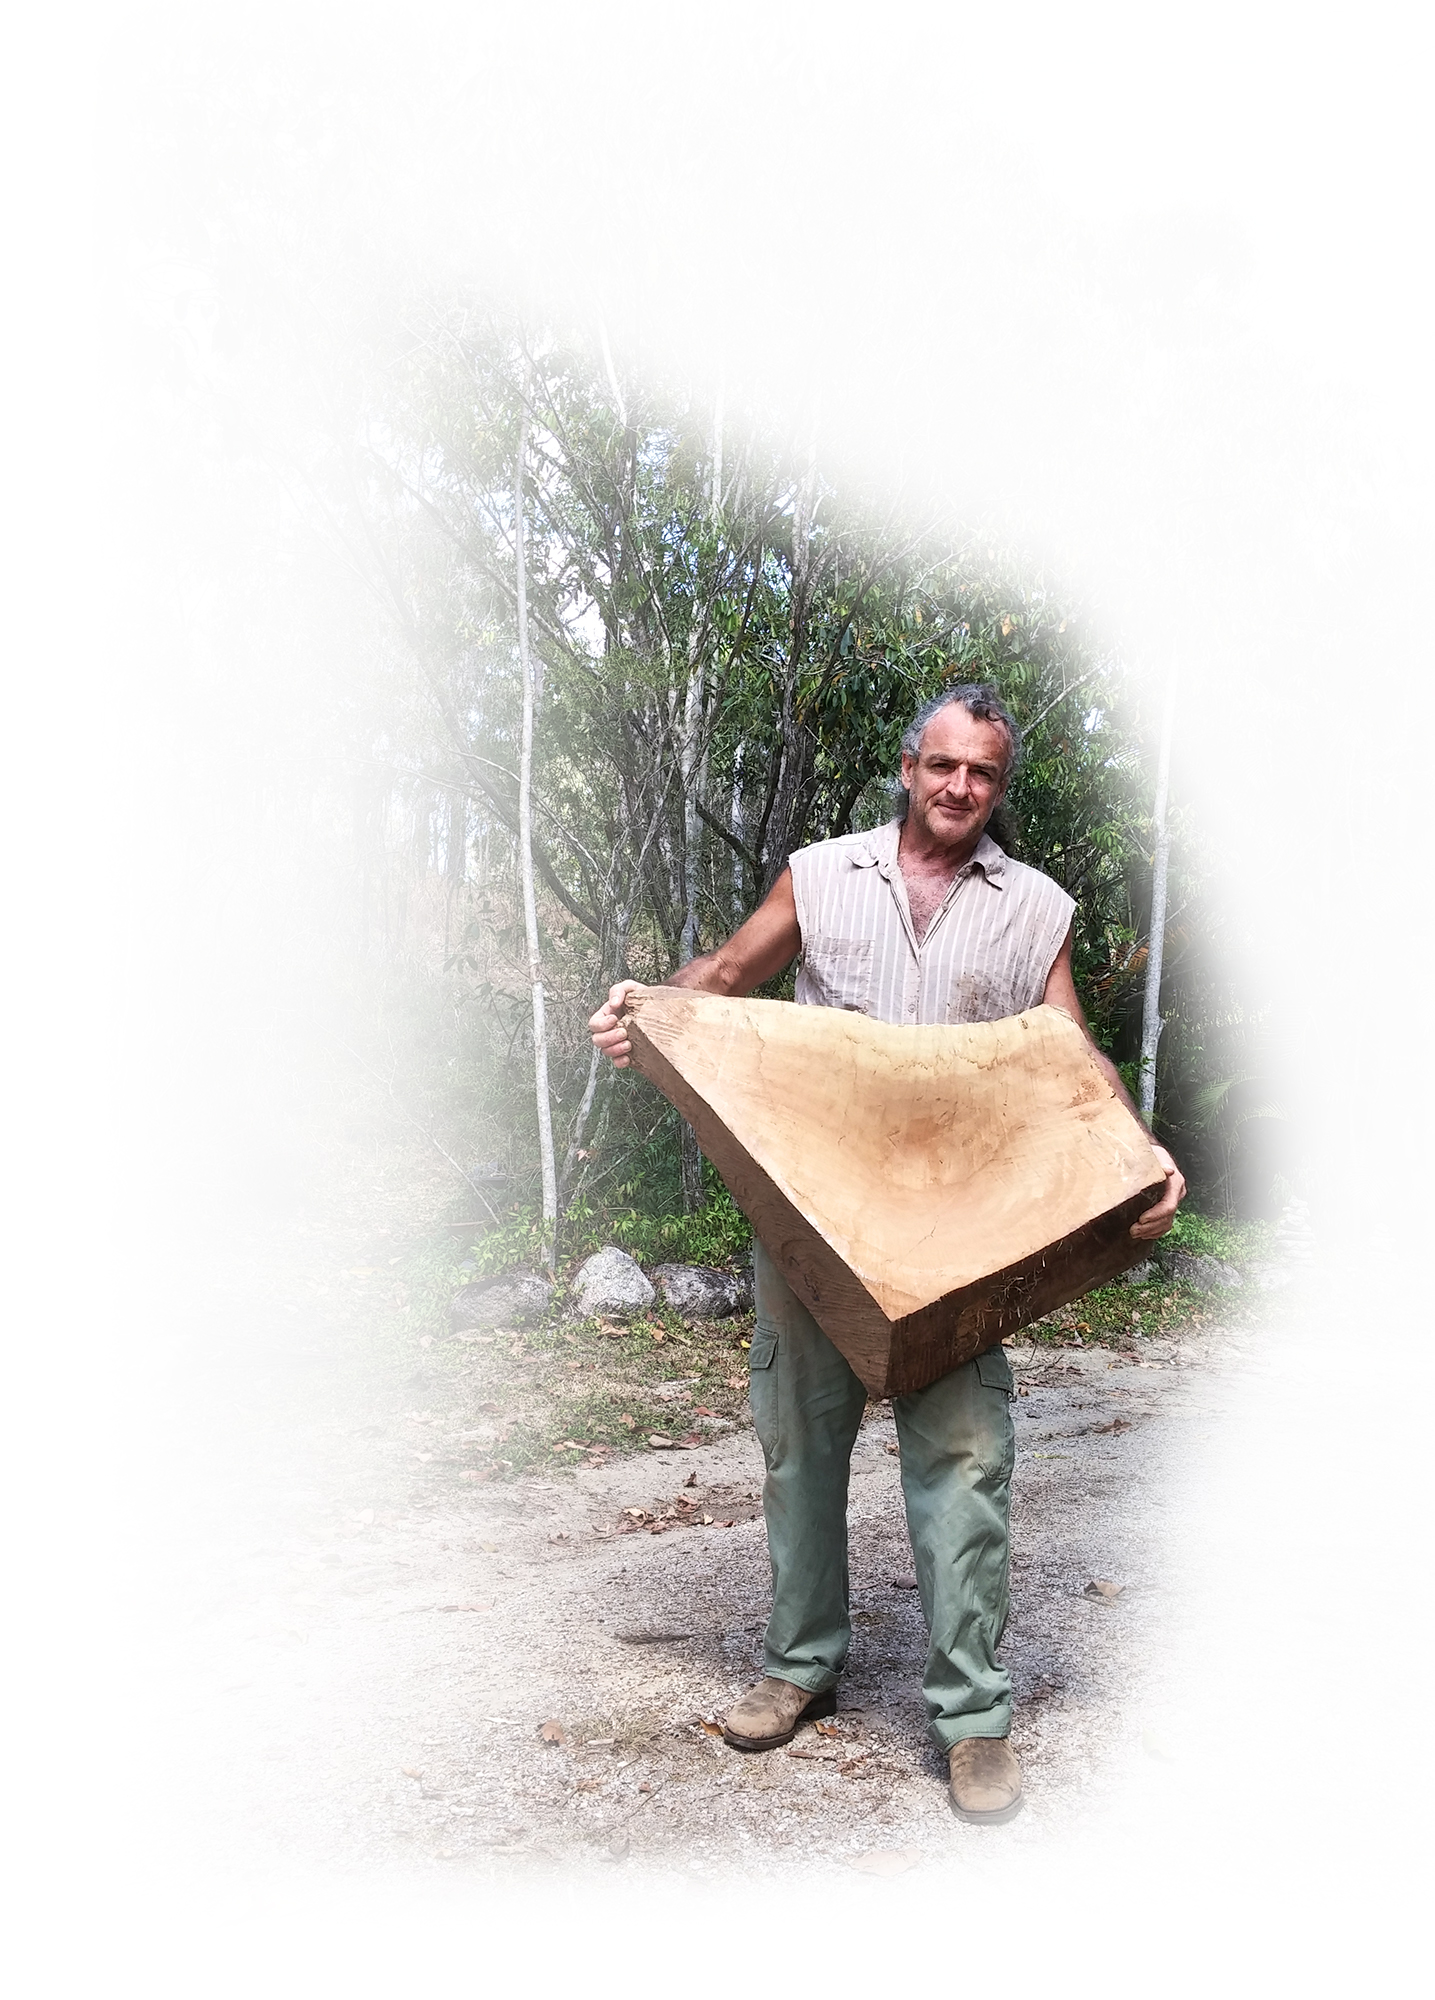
(957, 1445)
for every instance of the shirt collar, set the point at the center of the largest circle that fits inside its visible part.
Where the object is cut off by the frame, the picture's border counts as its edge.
(879, 850)
(990, 859)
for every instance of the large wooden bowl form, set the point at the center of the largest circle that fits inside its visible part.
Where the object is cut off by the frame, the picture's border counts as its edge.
(925, 1191)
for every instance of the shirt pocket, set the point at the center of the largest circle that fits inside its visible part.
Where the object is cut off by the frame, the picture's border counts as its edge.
(979, 996)
(841, 971)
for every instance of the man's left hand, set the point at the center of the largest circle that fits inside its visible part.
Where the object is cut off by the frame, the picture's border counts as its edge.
(1156, 1221)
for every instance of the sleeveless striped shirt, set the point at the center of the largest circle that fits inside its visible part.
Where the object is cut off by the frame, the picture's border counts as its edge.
(986, 953)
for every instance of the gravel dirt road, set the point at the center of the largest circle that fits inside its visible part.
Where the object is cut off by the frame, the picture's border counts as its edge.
(357, 1675)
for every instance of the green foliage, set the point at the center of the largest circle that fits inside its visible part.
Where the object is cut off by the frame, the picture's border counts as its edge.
(1215, 1236)
(731, 645)
(716, 1233)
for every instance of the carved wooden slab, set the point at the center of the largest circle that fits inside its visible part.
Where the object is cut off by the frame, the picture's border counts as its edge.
(925, 1191)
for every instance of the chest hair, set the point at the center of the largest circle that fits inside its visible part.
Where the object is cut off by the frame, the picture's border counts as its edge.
(925, 896)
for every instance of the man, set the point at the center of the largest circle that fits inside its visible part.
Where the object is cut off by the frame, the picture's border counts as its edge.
(924, 920)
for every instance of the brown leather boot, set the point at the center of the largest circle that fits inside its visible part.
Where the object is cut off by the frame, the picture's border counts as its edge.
(768, 1715)
(985, 1781)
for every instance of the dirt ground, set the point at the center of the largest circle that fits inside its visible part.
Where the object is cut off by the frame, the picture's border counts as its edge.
(362, 1666)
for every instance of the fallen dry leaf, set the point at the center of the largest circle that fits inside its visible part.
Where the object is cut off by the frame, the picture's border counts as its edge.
(554, 1732)
(589, 1785)
(827, 1728)
(702, 1410)
(894, 1449)
(636, 1513)
(727, 1524)
(660, 1443)
(691, 1480)
(1101, 1586)
(888, 1862)
(855, 1767)
(414, 1770)
(692, 1438)
(814, 1752)
(1116, 1424)
(709, 1728)
(628, 1423)
(706, 1520)
(737, 1381)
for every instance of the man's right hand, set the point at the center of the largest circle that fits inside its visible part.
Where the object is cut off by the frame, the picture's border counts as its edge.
(605, 1027)
(768, 941)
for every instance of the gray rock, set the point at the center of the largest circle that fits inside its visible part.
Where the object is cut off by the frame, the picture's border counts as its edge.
(699, 1292)
(515, 1299)
(611, 1282)
(1206, 1274)
(1140, 1274)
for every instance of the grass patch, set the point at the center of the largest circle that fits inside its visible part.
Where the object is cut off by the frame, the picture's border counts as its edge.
(716, 1233)
(611, 1387)
(1209, 1236)
(1114, 1315)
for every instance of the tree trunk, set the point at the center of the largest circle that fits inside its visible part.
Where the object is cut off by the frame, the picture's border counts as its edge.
(1151, 1022)
(739, 893)
(691, 1158)
(694, 766)
(525, 866)
(798, 746)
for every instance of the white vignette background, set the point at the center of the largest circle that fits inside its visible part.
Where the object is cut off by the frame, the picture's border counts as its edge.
(1149, 288)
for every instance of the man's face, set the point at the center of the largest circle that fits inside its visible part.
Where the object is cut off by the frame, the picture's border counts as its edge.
(957, 781)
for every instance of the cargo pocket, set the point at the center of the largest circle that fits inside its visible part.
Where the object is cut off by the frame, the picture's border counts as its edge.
(841, 970)
(994, 1370)
(997, 1451)
(762, 1390)
(764, 1347)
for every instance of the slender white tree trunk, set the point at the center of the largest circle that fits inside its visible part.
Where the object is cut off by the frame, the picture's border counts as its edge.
(694, 774)
(735, 821)
(692, 825)
(1151, 1021)
(525, 866)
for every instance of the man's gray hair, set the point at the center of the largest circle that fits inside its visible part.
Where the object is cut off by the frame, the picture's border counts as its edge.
(982, 703)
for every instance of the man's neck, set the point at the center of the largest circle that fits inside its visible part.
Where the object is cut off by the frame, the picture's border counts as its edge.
(917, 848)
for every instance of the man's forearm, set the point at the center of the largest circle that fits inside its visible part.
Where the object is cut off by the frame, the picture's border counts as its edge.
(758, 950)
(714, 972)
(1114, 1078)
